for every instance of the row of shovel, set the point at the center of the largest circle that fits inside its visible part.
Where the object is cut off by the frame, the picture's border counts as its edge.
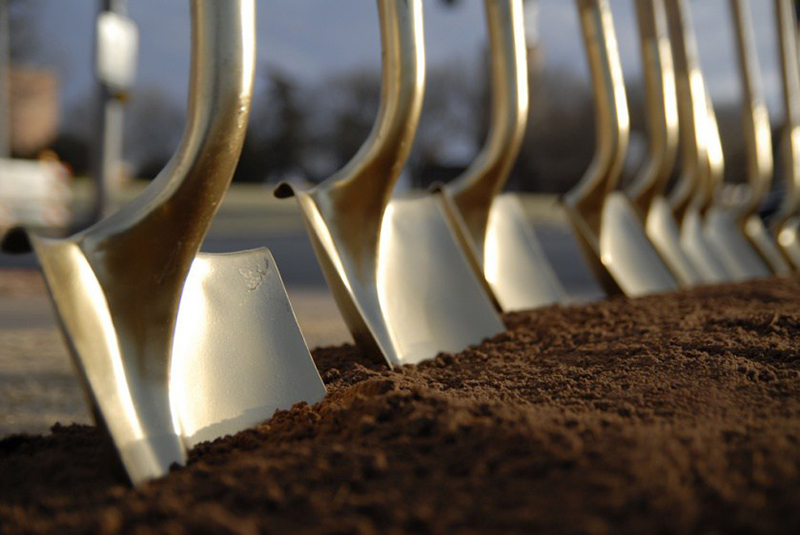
(174, 347)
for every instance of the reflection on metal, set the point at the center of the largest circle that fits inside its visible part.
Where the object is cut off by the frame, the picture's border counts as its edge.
(493, 229)
(238, 354)
(758, 141)
(402, 283)
(710, 234)
(699, 139)
(117, 285)
(785, 223)
(604, 220)
(647, 190)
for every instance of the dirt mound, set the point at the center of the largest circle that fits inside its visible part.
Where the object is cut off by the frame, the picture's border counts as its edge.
(670, 414)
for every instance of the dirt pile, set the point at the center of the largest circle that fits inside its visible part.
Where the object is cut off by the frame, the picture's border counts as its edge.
(670, 414)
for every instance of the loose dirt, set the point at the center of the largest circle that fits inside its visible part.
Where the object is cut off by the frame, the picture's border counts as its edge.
(670, 414)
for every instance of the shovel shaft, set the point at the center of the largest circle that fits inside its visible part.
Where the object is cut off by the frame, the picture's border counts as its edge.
(368, 179)
(757, 134)
(474, 190)
(611, 112)
(790, 83)
(661, 102)
(693, 111)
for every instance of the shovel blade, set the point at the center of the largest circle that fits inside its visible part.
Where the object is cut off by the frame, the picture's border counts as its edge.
(514, 264)
(431, 299)
(130, 401)
(238, 354)
(663, 231)
(762, 240)
(731, 246)
(628, 254)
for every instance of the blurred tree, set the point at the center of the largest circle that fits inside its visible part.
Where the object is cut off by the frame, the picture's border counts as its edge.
(286, 135)
(346, 110)
(153, 130)
(73, 150)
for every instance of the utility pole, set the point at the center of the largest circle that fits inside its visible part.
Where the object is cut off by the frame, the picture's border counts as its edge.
(5, 74)
(116, 44)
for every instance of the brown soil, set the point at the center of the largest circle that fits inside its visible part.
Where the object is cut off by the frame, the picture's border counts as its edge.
(670, 414)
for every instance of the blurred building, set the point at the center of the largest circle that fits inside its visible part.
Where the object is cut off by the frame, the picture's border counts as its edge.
(34, 109)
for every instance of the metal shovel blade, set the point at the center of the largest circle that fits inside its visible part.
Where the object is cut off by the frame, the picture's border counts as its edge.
(429, 294)
(514, 263)
(703, 254)
(127, 399)
(627, 253)
(728, 241)
(664, 234)
(238, 354)
(416, 294)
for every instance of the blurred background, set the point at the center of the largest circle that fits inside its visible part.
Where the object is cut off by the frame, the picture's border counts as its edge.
(318, 82)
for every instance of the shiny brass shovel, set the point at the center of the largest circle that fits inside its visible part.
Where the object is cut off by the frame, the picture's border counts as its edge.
(493, 228)
(758, 142)
(401, 281)
(604, 220)
(786, 223)
(120, 286)
(647, 192)
(702, 165)
(735, 230)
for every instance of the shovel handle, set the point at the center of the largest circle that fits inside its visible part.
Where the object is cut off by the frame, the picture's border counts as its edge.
(661, 104)
(474, 190)
(693, 110)
(757, 133)
(612, 123)
(790, 82)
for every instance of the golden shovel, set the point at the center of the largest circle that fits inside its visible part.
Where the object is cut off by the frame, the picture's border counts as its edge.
(735, 229)
(647, 192)
(786, 223)
(492, 227)
(701, 153)
(120, 287)
(402, 283)
(604, 220)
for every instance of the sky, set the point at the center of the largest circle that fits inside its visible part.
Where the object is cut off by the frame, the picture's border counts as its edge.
(312, 39)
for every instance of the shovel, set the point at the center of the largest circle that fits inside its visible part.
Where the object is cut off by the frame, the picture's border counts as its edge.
(758, 142)
(647, 190)
(702, 165)
(404, 286)
(604, 220)
(491, 227)
(786, 223)
(130, 294)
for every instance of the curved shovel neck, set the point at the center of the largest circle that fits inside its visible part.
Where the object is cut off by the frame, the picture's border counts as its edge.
(757, 133)
(611, 113)
(367, 180)
(693, 111)
(790, 82)
(661, 105)
(474, 191)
